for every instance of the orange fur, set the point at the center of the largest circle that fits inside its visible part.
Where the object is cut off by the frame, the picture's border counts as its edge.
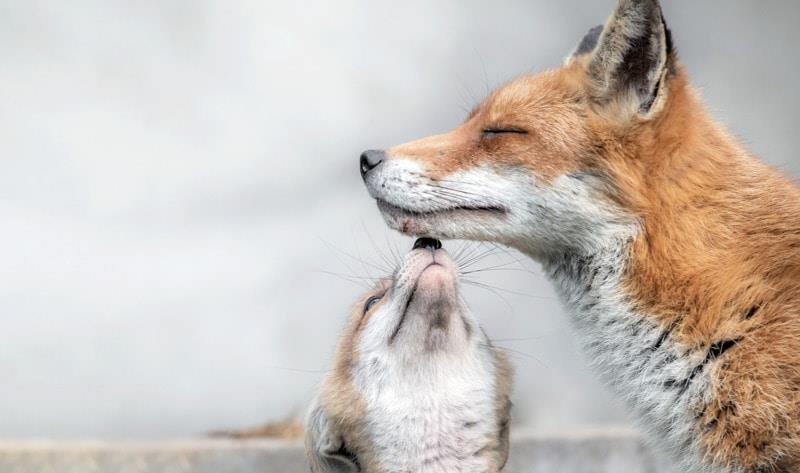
(718, 257)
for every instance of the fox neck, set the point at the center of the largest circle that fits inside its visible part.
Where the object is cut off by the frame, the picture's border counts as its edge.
(641, 361)
(713, 240)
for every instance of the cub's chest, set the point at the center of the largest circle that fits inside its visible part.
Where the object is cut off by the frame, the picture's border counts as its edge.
(421, 434)
(431, 424)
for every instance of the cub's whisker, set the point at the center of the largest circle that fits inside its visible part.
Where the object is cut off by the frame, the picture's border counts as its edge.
(507, 291)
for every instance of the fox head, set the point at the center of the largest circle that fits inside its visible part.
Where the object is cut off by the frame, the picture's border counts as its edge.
(544, 164)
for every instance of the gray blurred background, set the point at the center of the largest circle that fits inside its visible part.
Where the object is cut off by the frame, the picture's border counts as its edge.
(178, 179)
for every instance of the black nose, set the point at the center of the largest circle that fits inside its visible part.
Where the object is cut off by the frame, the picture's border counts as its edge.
(370, 160)
(431, 243)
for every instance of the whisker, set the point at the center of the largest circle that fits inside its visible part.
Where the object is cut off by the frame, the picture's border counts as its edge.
(349, 276)
(299, 370)
(354, 258)
(507, 291)
(499, 268)
(467, 249)
(360, 281)
(457, 198)
(505, 264)
(515, 352)
(513, 340)
(397, 254)
(363, 261)
(476, 248)
(464, 265)
(389, 268)
(493, 291)
(455, 190)
(518, 258)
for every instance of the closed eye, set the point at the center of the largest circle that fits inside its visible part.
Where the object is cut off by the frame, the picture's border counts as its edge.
(371, 302)
(493, 132)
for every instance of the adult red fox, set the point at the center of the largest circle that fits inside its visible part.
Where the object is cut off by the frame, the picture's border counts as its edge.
(676, 251)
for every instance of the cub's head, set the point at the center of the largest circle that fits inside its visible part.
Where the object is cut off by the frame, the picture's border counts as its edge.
(416, 385)
(541, 163)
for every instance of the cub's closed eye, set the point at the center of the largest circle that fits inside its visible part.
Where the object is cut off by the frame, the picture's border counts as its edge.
(371, 302)
(492, 132)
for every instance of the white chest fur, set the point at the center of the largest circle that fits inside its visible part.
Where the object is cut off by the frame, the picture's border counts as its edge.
(639, 360)
(434, 416)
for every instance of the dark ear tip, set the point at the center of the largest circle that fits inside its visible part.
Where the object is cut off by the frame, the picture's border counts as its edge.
(670, 43)
(596, 30)
(589, 42)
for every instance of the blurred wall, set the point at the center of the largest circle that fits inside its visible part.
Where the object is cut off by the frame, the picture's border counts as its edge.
(178, 179)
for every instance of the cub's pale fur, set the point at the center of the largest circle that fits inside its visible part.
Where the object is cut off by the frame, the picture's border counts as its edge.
(416, 385)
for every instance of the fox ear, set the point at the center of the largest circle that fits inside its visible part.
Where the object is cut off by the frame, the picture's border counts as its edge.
(630, 62)
(325, 448)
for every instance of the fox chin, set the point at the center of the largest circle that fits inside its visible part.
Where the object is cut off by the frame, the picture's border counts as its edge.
(675, 250)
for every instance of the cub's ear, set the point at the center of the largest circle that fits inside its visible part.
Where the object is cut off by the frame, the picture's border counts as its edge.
(504, 438)
(630, 63)
(325, 448)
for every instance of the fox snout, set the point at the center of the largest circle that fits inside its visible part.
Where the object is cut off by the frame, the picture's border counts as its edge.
(369, 160)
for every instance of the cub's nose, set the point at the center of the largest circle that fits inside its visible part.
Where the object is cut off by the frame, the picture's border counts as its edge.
(427, 243)
(370, 160)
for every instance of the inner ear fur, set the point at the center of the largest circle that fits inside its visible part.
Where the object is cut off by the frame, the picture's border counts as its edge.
(325, 446)
(630, 64)
(504, 437)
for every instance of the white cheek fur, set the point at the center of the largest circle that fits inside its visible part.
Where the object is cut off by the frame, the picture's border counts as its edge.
(403, 182)
(635, 357)
(540, 217)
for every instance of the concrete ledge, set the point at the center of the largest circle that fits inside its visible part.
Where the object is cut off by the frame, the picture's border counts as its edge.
(598, 452)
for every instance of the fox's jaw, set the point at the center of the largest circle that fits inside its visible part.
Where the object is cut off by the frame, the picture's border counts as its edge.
(504, 205)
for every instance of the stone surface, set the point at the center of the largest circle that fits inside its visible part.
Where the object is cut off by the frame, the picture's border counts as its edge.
(599, 452)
